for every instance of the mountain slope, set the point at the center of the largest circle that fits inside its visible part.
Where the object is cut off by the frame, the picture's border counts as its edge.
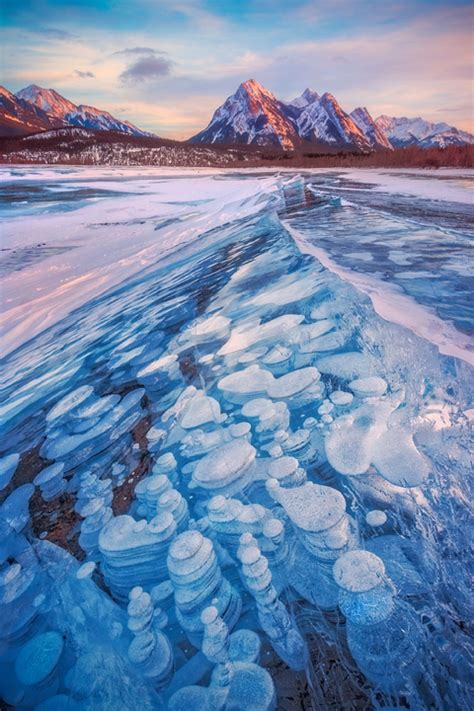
(324, 121)
(369, 128)
(58, 107)
(18, 117)
(307, 97)
(253, 115)
(46, 99)
(405, 131)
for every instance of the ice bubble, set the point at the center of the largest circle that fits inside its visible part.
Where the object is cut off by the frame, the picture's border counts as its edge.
(8, 467)
(346, 366)
(152, 374)
(311, 507)
(397, 459)
(245, 384)
(340, 398)
(244, 336)
(51, 481)
(278, 360)
(287, 471)
(244, 646)
(368, 387)
(359, 571)
(15, 509)
(295, 387)
(198, 581)
(69, 403)
(286, 291)
(351, 439)
(376, 517)
(213, 328)
(251, 689)
(134, 552)
(227, 469)
(200, 410)
(38, 658)
(252, 355)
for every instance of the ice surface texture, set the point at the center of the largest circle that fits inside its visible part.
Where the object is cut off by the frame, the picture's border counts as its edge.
(226, 482)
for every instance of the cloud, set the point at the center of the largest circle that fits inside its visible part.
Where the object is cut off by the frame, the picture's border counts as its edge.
(53, 33)
(145, 68)
(83, 75)
(138, 50)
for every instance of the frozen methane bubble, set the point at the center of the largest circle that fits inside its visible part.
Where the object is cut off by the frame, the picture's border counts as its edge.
(359, 571)
(70, 402)
(243, 385)
(36, 665)
(384, 638)
(148, 492)
(340, 398)
(319, 515)
(368, 387)
(215, 327)
(51, 481)
(96, 514)
(19, 587)
(346, 366)
(226, 470)
(177, 505)
(134, 552)
(279, 360)
(287, 471)
(244, 336)
(296, 388)
(324, 532)
(244, 646)
(376, 517)
(266, 416)
(15, 510)
(352, 438)
(197, 580)
(397, 459)
(200, 410)
(8, 466)
(272, 613)
(229, 518)
(150, 651)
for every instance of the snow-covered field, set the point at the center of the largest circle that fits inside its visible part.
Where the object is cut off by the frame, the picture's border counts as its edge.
(235, 463)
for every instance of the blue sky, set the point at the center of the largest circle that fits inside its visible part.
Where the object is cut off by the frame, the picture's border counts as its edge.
(167, 65)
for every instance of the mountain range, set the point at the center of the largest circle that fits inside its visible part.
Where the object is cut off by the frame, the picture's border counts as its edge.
(252, 116)
(35, 109)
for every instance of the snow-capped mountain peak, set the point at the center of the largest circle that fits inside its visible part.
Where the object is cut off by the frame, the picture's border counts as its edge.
(253, 115)
(47, 100)
(307, 97)
(405, 131)
(370, 129)
(324, 121)
(59, 108)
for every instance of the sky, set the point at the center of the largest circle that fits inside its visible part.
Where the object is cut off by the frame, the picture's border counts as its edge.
(166, 65)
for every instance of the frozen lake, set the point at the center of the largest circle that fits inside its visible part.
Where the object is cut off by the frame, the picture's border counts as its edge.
(236, 451)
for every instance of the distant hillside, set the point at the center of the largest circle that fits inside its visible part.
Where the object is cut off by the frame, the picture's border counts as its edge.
(80, 146)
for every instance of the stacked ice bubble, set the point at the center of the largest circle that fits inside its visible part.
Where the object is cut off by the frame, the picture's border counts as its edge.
(240, 462)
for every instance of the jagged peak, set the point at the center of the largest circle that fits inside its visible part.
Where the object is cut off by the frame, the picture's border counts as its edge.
(253, 88)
